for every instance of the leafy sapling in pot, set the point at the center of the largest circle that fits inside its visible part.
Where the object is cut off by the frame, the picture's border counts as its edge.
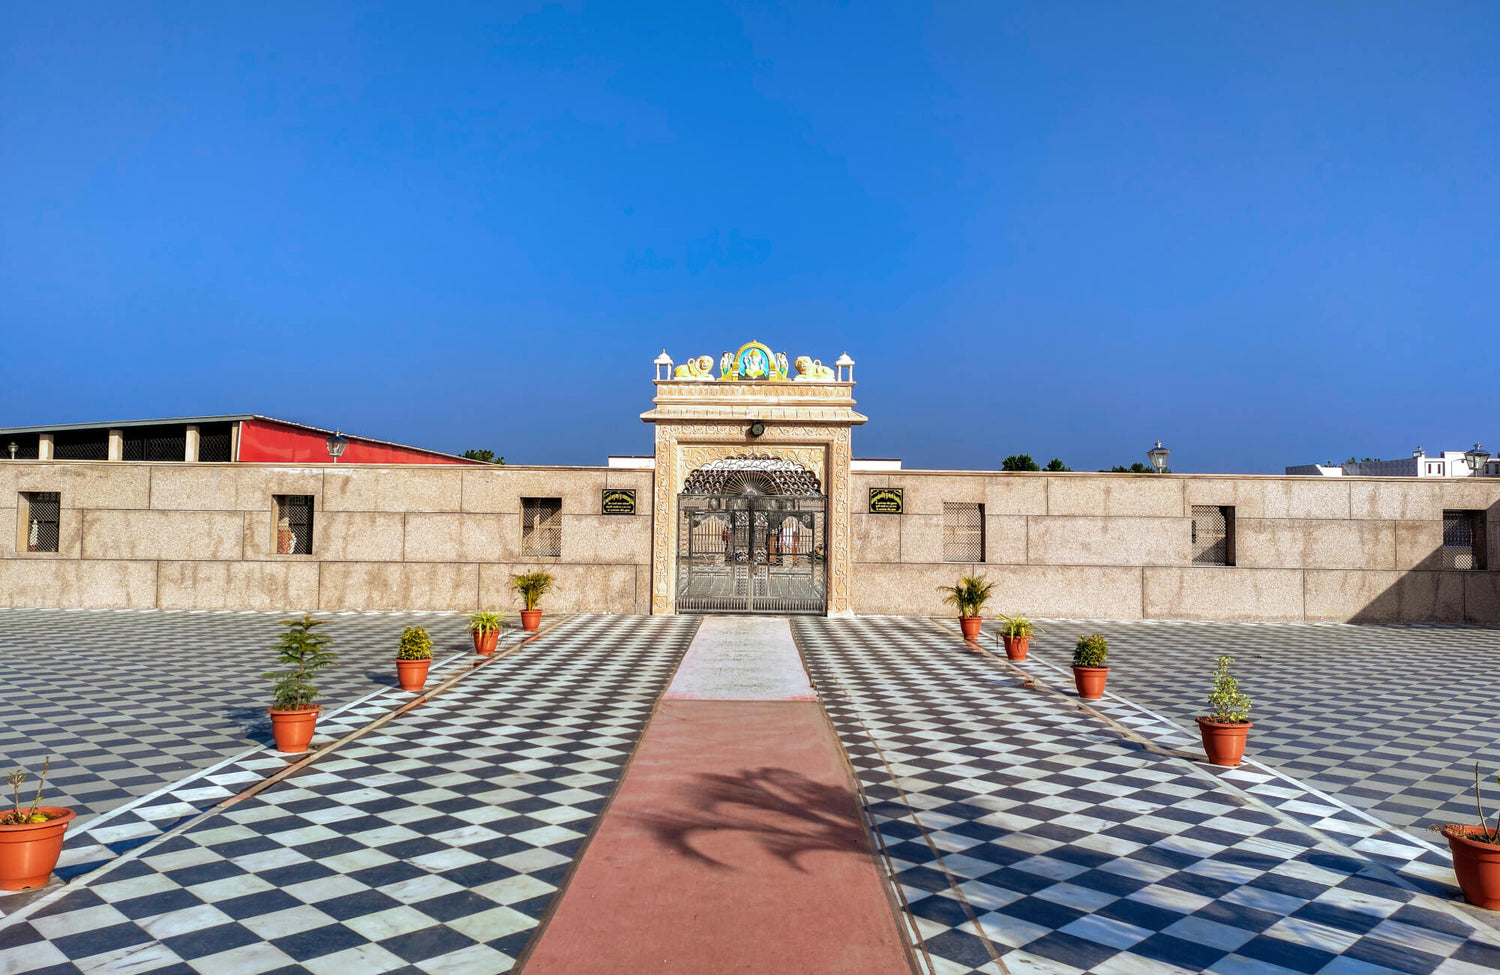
(413, 658)
(1476, 854)
(485, 628)
(31, 834)
(1091, 666)
(1016, 634)
(531, 587)
(969, 597)
(1227, 725)
(302, 653)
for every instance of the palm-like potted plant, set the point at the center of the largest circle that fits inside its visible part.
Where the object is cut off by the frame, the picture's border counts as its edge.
(413, 658)
(531, 586)
(969, 597)
(1476, 855)
(485, 628)
(1016, 634)
(1227, 724)
(1091, 666)
(31, 836)
(302, 653)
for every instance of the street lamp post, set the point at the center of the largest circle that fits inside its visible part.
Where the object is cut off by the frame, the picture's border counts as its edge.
(13, 448)
(1476, 457)
(336, 445)
(1158, 457)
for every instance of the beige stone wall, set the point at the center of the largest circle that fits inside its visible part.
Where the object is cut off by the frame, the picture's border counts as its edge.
(1118, 546)
(384, 538)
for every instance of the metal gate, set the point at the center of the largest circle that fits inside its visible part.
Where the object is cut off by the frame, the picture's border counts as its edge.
(749, 551)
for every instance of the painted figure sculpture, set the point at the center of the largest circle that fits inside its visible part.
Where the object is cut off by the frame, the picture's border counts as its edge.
(699, 368)
(813, 370)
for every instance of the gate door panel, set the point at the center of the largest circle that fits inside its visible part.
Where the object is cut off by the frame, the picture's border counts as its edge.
(751, 553)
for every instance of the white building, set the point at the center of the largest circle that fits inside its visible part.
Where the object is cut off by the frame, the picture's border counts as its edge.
(1449, 463)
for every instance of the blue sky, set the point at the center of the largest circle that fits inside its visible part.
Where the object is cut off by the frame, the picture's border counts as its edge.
(1264, 233)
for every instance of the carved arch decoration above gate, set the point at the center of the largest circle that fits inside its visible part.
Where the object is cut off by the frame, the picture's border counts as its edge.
(754, 474)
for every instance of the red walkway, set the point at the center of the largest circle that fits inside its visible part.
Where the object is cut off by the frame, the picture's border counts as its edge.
(734, 843)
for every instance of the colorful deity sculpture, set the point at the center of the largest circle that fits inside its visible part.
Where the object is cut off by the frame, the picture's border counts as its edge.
(813, 370)
(699, 368)
(755, 362)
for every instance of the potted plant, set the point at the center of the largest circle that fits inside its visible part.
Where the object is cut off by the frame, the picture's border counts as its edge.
(532, 586)
(31, 837)
(1017, 633)
(413, 658)
(1089, 666)
(1476, 855)
(302, 654)
(1227, 724)
(969, 597)
(486, 629)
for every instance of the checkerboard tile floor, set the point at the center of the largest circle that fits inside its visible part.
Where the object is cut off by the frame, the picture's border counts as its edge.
(1022, 832)
(1385, 718)
(432, 844)
(86, 688)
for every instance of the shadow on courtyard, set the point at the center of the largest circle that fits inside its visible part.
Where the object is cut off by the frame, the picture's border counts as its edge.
(786, 813)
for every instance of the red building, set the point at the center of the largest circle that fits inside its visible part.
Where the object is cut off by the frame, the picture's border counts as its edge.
(246, 439)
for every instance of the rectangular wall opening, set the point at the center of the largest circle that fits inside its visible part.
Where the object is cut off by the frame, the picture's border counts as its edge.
(40, 514)
(541, 527)
(1213, 534)
(963, 532)
(294, 524)
(1463, 540)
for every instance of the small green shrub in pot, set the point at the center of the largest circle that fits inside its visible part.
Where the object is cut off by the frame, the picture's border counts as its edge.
(303, 653)
(482, 622)
(1226, 703)
(1092, 651)
(969, 595)
(1019, 626)
(531, 586)
(416, 644)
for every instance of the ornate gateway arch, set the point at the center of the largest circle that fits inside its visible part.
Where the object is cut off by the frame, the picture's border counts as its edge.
(761, 459)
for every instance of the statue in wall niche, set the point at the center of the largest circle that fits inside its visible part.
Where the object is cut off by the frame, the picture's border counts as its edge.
(813, 370)
(699, 368)
(780, 371)
(726, 366)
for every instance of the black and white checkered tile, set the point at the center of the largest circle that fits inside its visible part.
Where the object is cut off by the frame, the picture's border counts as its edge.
(1389, 719)
(432, 844)
(126, 702)
(1025, 835)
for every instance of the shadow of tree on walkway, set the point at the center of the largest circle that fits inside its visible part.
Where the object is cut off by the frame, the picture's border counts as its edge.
(789, 813)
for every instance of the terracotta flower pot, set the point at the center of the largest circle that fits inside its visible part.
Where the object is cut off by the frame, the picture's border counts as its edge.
(484, 641)
(1016, 646)
(293, 730)
(412, 673)
(29, 852)
(1223, 742)
(1090, 681)
(1477, 865)
(531, 619)
(971, 626)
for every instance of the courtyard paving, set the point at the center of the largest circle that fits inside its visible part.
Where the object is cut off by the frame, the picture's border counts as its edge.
(1020, 832)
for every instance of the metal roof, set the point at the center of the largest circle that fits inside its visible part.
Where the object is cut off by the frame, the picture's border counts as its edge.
(225, 418)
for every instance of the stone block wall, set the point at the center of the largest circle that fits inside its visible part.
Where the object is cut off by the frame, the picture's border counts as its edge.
(202, 536)
(1118, 546)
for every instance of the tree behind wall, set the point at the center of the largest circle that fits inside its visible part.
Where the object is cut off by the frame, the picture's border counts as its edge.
(488, 456)
(1019, 462)
(1056, 465)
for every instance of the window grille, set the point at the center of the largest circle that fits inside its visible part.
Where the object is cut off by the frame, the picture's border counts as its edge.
(213, 443)
(1213, 534)
(26, 447)
(165, 443)
(963, 532)
(541, 527)
(294, 524)
(43, 510)
(1463, 540)
(81, 445)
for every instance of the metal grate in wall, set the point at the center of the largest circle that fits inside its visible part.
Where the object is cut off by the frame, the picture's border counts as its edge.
(541, 527)
(26, 447)
(155, 443)
(81, 445)
(214, 443)
(963, 532)
(1463, 540)
(1212, 528)
(294, 524)
(43, 511)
